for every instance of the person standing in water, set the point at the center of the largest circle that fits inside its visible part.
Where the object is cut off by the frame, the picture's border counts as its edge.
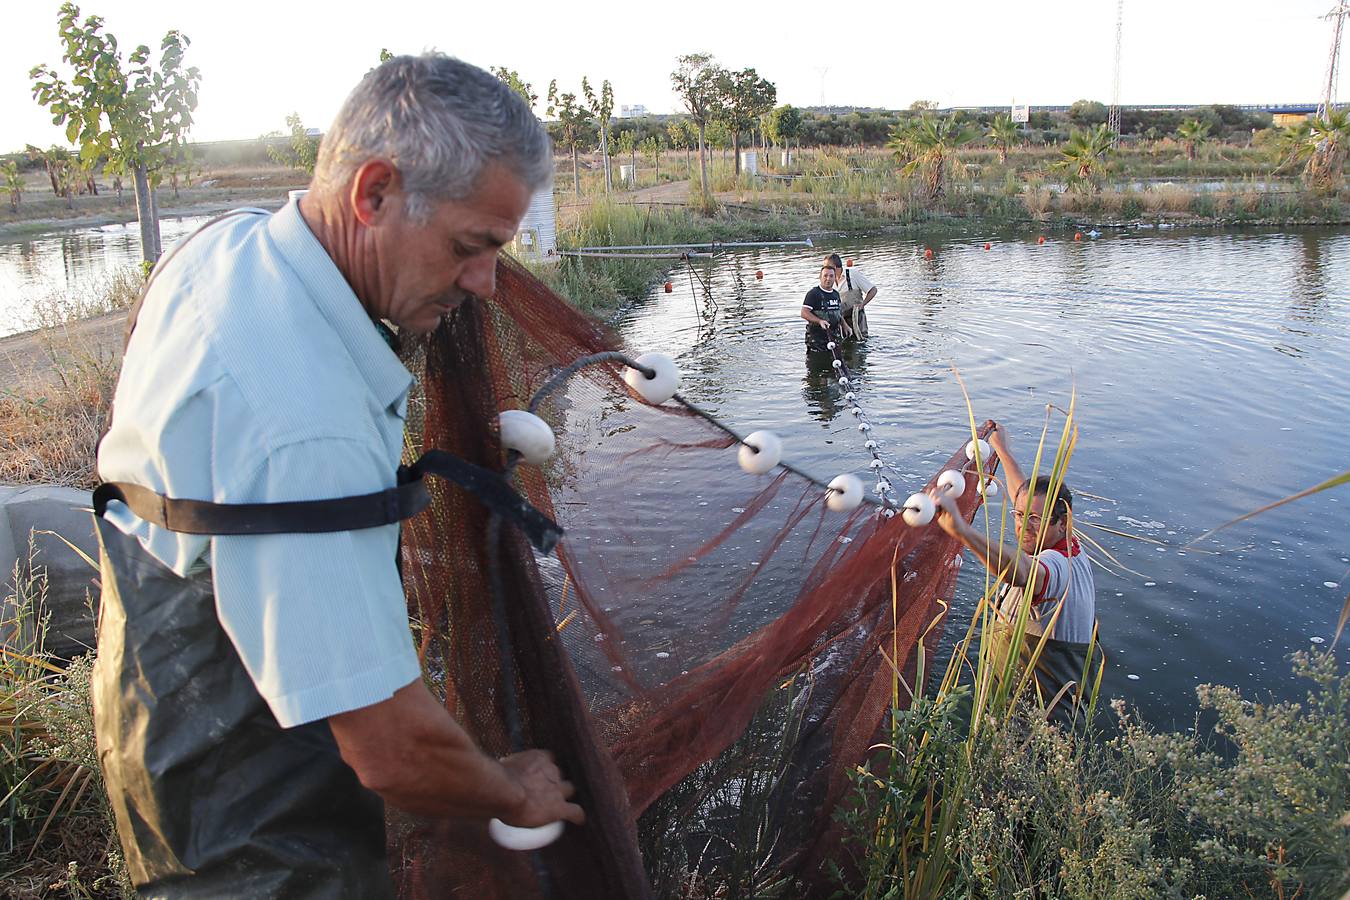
(822, 310)
(856, 290)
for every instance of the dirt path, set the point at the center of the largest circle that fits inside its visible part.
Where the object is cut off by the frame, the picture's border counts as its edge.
(38, 355)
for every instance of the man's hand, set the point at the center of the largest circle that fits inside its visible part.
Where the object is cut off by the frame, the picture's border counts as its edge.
(546, 792)
(999, 441)
(945, 513)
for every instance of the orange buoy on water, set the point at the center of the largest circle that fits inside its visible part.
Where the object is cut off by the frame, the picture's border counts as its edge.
(759, 275)
(1078, 235)
(986, 245)
(850, 262)
(1041, 239)
(927, 252)
(669, 287)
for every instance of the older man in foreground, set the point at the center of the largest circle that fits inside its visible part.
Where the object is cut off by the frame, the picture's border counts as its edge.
(257, 695)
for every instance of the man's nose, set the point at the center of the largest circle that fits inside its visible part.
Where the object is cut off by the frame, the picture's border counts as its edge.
(480, 275)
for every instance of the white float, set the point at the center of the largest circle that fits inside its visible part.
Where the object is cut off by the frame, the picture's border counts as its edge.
(659, 388)
(760, 452)
(527, 434)
(846, 492)
(953, 482)
(919, 509)
(513, 837)
(990, 488)
(983, 446)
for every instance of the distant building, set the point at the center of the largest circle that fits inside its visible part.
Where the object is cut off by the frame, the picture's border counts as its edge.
(1285, 119)
(636, 111)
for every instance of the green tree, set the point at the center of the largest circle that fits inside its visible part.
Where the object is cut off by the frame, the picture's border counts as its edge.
(511, 78)
(301, 150)
(1083, 158)
(133, 116)
(1004, 133)
(601, 107)
(651, 148)
(385, 55)
(13, 183)
(744, 97)
(925, 144)
(1192, 133)
(1087, 112)
(626, 142)
(573, 125)
(696, 81)
(784, 125)
(677, 130)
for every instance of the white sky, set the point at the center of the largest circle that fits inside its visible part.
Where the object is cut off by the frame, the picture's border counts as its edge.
(261, 61)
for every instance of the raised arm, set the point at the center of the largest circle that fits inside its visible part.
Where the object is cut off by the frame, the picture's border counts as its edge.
(411, 751)
(1012, 472)
(1005, 560)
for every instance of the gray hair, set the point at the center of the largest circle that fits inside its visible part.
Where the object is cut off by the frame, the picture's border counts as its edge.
(441, 121)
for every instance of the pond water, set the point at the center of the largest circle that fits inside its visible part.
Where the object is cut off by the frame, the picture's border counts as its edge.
(70, 263)
(1208, 369)
(1209, 376)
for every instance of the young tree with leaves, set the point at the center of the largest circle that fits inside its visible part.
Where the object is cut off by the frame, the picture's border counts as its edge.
(511, 78)
(651, 148)
(601, 106)
(678, 132)
(696, 80)
(13, 183)
(744, 97)
(135, 117)
(626, 142)
(784, 126)
(573, 124)
(302, 149)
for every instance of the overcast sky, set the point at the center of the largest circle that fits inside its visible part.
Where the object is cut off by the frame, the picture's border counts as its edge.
(263, 60)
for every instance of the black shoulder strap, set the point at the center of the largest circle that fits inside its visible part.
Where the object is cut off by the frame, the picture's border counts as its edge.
(386, 507)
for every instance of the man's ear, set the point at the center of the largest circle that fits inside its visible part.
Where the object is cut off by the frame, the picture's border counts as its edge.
(375, 183)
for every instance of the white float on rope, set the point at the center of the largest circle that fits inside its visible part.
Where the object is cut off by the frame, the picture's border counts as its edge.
(983, 446)
(953, 482)
(659, 388)
(527, 434)
(846, 492)
(513, 837)
(919, 509)
(990, 488)
(760, 452)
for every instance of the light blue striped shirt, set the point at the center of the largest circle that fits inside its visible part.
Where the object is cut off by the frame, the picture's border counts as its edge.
(254, 375)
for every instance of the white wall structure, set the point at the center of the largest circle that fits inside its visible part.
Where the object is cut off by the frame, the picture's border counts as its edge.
(750, 162)
(537, 237)
(636, 111)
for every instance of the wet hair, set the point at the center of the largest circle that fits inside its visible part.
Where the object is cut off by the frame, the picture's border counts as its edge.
(1042, 485)
(442, 122)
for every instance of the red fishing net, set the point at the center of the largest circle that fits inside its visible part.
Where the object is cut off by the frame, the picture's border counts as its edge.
(684, 595)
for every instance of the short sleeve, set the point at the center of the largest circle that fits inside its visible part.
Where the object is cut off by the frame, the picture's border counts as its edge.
(861, 281)
(1052, 580)
(319, 620)
(812, 301)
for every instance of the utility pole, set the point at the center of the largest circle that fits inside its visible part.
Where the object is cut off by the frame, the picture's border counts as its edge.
(1334, 61)
(1113, 115)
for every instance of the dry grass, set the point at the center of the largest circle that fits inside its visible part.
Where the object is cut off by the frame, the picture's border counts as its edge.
(51, 418)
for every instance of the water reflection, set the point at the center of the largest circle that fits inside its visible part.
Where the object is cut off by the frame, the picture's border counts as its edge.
(823, 394)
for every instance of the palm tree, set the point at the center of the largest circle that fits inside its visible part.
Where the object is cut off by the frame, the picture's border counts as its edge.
(925, 143)
(1330, 141)
(1192, 134)
(1004, 133)
(1083, 156)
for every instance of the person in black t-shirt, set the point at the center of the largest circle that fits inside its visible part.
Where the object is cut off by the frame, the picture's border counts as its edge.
(822, 310)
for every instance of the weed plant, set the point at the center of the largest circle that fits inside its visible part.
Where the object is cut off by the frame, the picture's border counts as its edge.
(55, 822)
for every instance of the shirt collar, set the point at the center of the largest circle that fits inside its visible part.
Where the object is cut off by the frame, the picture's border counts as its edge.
(1068, 547)
(386, 377)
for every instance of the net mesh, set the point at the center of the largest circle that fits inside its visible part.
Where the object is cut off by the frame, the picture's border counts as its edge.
(683, 593)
